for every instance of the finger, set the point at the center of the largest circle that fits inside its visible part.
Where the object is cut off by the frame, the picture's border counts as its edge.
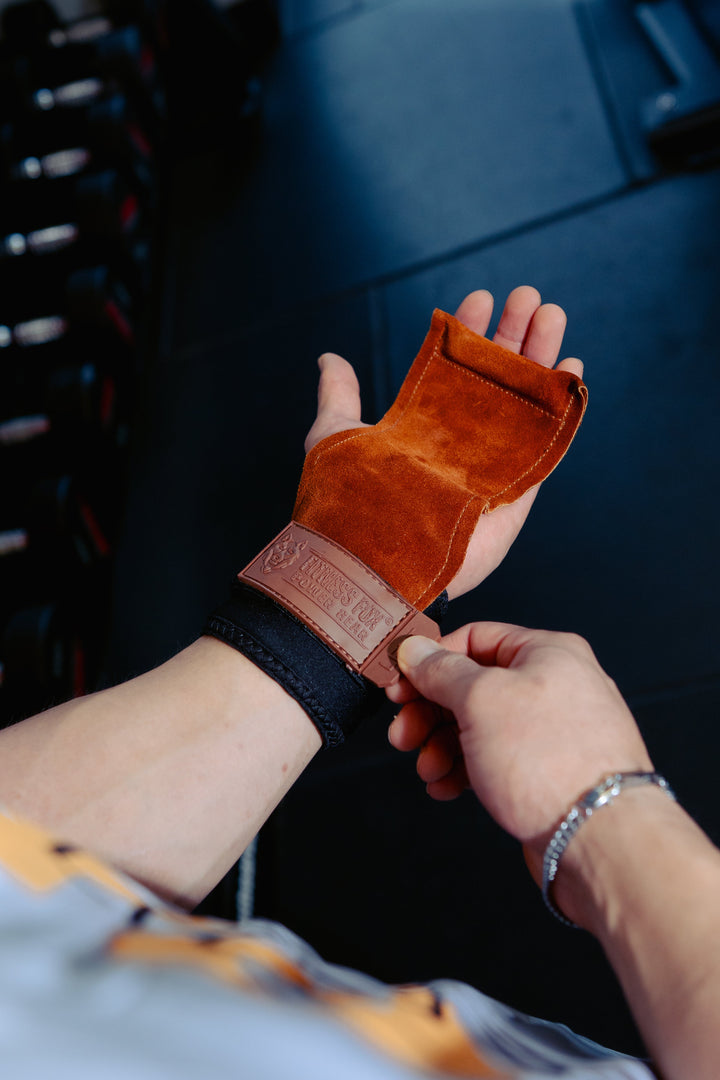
(440, 675)
(338, 389)
(545, 333)
(476, 311)
(401, 692)
(439, 754)
(413, 725)
(450, 786)
(483, 641)
(504, 645)
(338, 399)
(573, 365)
(520, 306)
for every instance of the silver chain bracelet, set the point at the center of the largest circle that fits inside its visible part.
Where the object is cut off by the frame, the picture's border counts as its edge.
(585, 807)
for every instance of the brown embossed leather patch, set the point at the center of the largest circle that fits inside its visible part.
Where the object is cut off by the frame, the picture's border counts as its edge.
(348, 606)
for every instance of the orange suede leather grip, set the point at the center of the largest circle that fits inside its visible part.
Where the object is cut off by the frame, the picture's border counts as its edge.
(473, 427)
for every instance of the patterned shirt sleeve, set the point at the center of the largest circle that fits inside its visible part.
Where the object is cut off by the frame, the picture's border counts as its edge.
(100, 978)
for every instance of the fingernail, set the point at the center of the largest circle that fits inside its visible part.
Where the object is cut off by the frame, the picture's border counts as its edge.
(414, 650)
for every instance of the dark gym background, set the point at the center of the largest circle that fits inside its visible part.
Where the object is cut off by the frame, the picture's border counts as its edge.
(411, 151)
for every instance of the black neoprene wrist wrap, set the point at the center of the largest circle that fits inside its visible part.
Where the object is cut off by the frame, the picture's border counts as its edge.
(335, 698)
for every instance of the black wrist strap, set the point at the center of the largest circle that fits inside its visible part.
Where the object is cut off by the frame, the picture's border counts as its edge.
(335, 698)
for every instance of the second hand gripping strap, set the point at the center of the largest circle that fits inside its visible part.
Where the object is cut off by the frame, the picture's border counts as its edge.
(384, 515)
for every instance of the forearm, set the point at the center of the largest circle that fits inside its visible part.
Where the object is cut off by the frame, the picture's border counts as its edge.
(646, 880)
(168, 776)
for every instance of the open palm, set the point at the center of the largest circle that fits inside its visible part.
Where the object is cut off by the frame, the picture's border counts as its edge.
(526, 326)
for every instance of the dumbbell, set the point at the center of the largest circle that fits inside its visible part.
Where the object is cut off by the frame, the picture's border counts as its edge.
(77, 514)
(54, 578)
(76, 108)
(73, 421)
(39, 222)
(29, 24)
(54, 165)
(83, 400)
(93, 219)
(53, 543)
(81, 426)
(45, 313)
(54, 518)
(56, 161)
(96, 42)
(50, 646)
(44, 660)
(32, 351)
(109, 128)
(121, 57)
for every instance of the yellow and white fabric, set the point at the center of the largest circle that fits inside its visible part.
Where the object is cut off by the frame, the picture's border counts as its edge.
(99, 980)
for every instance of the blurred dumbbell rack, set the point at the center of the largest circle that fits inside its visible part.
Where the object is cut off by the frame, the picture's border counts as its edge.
(82, 122)
(93, 113)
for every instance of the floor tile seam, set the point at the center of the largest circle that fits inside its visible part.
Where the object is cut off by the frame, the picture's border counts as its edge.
(328, 22)
(287, 314)
(514, 232)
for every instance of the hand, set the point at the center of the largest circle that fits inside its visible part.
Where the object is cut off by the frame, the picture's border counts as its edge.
(526, 326)
(528, 718)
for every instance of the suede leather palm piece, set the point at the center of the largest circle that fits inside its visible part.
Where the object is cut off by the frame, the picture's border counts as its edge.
(474, 427)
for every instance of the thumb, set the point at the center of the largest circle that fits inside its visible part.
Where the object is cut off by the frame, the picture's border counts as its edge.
(339, 405)
(440, 675)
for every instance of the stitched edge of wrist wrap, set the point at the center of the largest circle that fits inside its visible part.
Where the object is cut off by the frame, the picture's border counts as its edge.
(335, 698)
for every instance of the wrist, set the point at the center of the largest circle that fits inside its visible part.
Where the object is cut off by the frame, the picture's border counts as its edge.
(617, 853)
(322, 624)
(232, 678)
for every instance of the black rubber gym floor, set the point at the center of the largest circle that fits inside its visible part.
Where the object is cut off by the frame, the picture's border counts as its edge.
(415, 150)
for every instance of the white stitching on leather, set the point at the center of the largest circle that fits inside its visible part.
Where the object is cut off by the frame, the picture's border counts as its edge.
(547, 450)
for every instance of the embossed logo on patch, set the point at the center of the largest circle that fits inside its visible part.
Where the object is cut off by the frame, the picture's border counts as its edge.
(348, 604)
(344, 602)
(284, 552)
